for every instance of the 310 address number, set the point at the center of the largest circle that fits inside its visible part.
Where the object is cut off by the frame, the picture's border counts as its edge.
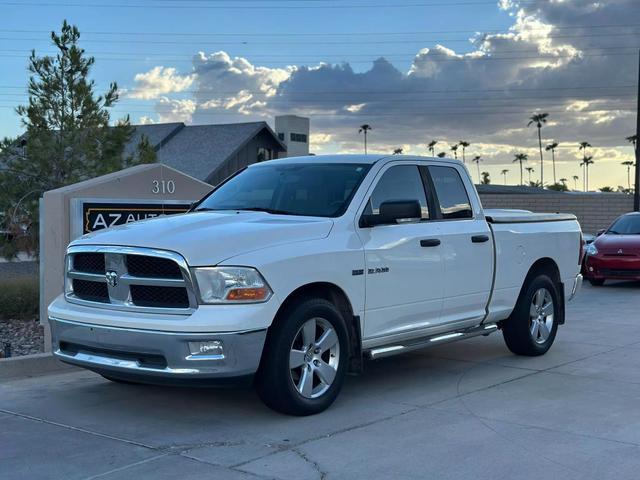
(163, 187)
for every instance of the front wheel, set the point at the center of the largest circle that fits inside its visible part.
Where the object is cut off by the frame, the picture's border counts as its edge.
(533, 325)
(305, 359)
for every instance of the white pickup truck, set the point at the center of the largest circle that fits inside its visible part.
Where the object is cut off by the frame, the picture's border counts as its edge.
(293, 271)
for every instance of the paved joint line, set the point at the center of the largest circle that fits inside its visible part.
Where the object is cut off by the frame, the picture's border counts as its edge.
(285, 448)
(126, 467)
(554, 430)
(316, 466)
(77, 429)
(233, 468)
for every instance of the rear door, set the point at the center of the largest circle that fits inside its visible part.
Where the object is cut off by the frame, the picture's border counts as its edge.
(467, 247)
(403, 262)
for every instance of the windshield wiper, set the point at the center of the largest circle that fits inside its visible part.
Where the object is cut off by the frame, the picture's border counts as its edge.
(206, 209)
(266, 210)
(613, 232)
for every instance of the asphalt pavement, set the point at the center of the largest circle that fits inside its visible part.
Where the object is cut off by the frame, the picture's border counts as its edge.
(464, 410)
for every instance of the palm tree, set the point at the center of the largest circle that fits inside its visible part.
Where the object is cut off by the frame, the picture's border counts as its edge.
(552, 146)
(538, 120)
(431, 147)
(563, 181)
(464, 146)
(364, 129)
(521, 157)
(504, 174)
(442, 154)
(633, 140)
(587, 161)
(583, 147)
(628, 164)
(397, 151)
(606, 189)
(575, 182)
(486, 178)
(530, 170)
(454, 149)
(477, 159)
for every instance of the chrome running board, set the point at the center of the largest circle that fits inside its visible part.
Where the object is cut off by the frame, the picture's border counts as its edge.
(430, 341)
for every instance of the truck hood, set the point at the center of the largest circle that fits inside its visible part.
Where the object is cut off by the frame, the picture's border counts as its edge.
(208, 238)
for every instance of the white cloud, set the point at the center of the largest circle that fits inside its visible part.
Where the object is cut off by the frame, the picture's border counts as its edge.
(354, 108)
(170, 110)
(159, 81)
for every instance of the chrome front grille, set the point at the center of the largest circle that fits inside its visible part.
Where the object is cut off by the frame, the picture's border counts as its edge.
(129, 278)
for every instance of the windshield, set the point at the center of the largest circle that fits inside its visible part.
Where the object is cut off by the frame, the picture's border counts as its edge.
(314, 189)
(626, 225)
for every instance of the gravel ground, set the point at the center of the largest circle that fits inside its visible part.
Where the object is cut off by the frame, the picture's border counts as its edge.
(25, 337)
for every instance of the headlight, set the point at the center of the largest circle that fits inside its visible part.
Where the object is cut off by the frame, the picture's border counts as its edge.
(231, 285)
(590, 249)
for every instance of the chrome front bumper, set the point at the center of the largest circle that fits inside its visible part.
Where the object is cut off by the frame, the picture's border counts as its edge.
(150, 355)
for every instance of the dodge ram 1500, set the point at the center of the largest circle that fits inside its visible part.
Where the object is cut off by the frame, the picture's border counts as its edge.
(294, 271)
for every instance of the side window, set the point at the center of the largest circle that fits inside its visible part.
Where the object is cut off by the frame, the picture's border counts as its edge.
(402, 182)
(453, 198)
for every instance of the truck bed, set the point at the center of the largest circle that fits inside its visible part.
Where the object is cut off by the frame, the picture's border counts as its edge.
(524, 216)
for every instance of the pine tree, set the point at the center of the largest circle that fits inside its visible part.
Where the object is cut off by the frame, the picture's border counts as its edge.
(68, 138)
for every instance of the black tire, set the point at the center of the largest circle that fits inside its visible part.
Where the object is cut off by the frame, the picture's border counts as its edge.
(596, 282)
(274, 382)
(516, 330)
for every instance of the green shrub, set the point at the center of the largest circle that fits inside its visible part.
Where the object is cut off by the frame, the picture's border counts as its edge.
(19, 298)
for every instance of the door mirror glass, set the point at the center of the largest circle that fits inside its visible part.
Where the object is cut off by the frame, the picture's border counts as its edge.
(391, 212)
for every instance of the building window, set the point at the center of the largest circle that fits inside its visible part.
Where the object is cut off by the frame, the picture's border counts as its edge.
(264, 154)
(281, 137)
(298, 137)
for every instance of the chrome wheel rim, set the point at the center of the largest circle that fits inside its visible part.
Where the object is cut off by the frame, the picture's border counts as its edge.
(314, 358)
(541, 316)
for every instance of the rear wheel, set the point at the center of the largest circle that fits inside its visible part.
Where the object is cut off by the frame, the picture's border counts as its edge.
(532, 327)
(305, 359)
(596, 282)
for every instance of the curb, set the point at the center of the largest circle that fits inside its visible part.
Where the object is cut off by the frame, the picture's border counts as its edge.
(31, 366)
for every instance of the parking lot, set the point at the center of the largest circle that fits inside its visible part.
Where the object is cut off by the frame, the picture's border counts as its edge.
(463, 410)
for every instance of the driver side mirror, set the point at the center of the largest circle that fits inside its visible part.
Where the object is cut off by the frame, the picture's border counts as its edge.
(600, 232)
(393, 212)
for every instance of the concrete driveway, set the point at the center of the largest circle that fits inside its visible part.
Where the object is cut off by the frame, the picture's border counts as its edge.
(465, 410)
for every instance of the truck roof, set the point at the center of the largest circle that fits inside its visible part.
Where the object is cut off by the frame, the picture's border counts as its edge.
(350, 158)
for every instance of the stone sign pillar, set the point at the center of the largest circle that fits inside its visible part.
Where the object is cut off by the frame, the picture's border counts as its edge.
(126, 196)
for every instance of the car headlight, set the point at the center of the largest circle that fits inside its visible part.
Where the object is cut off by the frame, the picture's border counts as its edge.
(590, 249)
(231, 285)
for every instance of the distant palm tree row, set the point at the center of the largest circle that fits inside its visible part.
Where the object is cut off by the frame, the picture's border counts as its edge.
(538, 120)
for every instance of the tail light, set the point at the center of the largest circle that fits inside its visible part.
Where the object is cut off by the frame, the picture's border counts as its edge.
(581, 257)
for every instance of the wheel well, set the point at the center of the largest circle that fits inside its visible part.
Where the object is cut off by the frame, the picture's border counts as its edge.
(334, 294)
(550, 268)
(547, 266)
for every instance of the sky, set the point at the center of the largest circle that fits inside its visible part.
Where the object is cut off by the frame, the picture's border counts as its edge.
(415, 70)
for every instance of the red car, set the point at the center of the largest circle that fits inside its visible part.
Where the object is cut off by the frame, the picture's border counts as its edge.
(615, 253)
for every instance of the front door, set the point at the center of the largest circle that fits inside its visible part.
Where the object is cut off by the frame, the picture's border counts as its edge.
(404, 271)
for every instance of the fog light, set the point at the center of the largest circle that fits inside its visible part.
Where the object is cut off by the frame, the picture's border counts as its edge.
(209, 350)
(591, 269)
